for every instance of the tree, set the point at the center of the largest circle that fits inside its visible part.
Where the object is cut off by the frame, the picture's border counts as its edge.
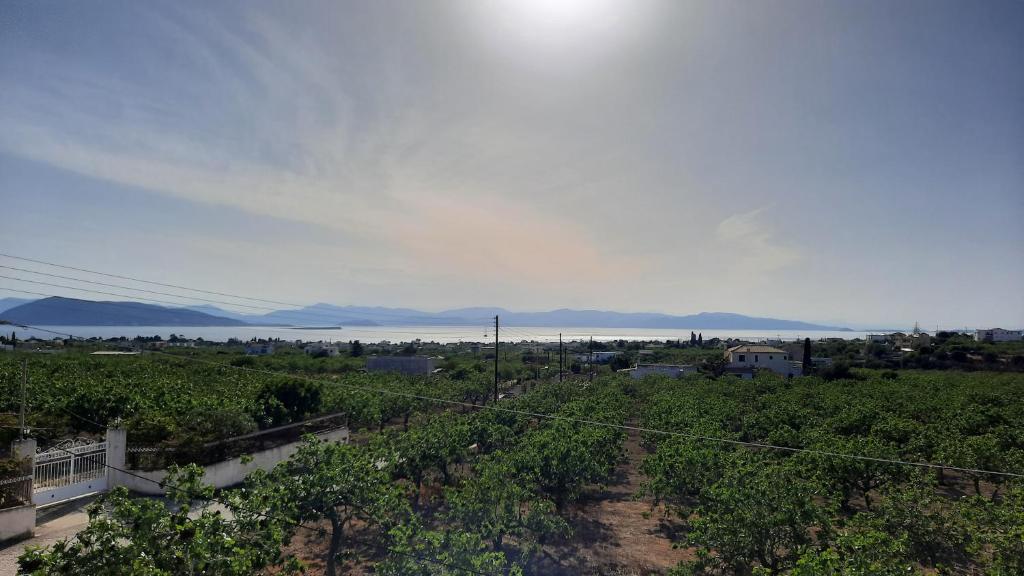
(680, 469)
(916, 516)
(619, 362)
(716, 366)
(355, 349)
(129, 535)
(757, 513)
(693, 338)
(563, 457)
(419, 552)
(808, 363)
(285, 400)
(336, 482)
(858, 551)
(845, 475)
(495, 503)
(700, 339)
(997, 530)
(433, 446)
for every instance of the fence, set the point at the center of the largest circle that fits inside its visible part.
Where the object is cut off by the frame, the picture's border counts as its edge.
(80, 467)
(15, 491)
(69, 463)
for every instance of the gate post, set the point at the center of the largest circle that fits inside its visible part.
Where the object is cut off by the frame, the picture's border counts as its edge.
(117, 447)
(26, 448)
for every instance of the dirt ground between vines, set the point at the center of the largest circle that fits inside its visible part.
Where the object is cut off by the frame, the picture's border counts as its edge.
(612, 534)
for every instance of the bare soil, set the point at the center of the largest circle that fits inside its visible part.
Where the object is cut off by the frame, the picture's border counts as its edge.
(615, 533)
(612, 533)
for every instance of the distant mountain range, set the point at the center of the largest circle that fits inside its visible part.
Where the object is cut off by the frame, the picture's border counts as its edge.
(56, 311)
(8, 303)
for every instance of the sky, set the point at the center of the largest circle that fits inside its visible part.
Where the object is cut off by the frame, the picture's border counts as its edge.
(853, 162)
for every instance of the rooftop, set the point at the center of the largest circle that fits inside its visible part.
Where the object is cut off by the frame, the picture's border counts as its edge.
(756, 349)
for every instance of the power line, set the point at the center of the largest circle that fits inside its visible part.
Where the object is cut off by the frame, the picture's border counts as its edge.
(136, 289)
(625, 427)
(177, 304)
(179, 287)
(203, 291)
(381, 330)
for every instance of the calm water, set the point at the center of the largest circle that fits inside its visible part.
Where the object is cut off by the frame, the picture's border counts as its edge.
(443, 334)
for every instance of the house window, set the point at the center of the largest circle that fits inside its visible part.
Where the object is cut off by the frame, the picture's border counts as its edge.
(771, 357)
(743, 357)
(755, 357)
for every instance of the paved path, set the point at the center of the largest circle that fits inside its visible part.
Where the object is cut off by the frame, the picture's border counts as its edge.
(64, 521)
(52, 524)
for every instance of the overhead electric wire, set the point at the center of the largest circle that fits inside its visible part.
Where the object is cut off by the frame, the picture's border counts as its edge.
(625, 427)
(179, 287)
(281, 329)
(199, 290)
(137, 289)
(178, 304)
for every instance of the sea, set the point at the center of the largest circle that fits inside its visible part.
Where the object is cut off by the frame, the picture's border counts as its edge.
(439, 334)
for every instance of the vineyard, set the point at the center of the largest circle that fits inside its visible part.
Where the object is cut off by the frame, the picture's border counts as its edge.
(693, 476)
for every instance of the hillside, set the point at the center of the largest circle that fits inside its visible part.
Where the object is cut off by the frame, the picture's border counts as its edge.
(57, 311)
(381, 316)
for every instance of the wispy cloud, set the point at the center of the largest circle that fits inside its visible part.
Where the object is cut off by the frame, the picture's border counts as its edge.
(439, 155)
(749, 243)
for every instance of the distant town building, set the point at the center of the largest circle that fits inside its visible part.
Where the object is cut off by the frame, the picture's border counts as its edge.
(914, 341)
(998, 335)
(259, 349)
(600, 357)
(321, 349)
(760, 357)
(408, 365)
(671, 370)
(877, 338)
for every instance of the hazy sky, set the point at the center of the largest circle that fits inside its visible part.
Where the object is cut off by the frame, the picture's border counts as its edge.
(826, 161)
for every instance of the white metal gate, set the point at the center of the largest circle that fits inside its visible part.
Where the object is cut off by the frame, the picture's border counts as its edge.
(68, 470)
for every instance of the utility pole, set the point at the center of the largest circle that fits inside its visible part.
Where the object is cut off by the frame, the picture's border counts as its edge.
(24, 386)
(591, 358)
(495, 358)
(561, 357)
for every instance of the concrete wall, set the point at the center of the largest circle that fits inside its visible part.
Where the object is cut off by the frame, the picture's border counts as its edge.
(222, 474)
(17, 523)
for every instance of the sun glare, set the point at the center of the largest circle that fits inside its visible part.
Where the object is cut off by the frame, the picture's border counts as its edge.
(543, 31)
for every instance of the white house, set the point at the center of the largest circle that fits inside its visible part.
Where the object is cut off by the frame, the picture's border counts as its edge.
(998, 335)
(671, 370)
(877, 338)
(760, 357)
